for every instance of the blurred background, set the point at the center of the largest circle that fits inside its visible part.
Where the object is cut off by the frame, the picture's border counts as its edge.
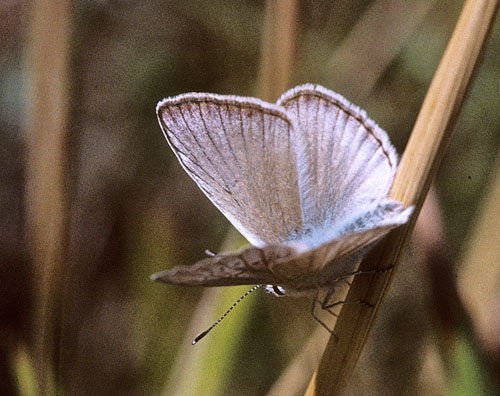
(92, 200)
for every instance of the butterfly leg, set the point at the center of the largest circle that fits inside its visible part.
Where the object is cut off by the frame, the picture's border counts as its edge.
(327, 306)
(363, 272)
(347, 282)
(315, 301)
(324, 304)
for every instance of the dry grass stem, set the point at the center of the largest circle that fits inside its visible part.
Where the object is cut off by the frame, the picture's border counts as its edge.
(48, 60)
(278, 49)
(424, 151)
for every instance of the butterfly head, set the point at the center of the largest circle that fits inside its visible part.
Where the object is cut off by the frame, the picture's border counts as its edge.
(275, 290)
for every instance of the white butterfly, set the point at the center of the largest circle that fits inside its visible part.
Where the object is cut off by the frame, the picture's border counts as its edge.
(305, 180)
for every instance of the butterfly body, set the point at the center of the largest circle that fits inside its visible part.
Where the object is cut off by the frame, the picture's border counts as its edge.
(305, 180)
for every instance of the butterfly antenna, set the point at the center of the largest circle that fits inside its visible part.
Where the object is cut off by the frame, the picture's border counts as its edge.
(204, 333)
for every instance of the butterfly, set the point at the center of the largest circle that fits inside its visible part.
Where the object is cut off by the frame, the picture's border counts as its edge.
(304, 180)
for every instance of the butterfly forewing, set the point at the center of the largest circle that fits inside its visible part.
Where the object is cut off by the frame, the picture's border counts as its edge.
(345, 159)
(239, 151)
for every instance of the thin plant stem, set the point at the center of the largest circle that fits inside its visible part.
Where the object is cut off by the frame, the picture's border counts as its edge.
(46, 196)
(427, 144)
(279, 40)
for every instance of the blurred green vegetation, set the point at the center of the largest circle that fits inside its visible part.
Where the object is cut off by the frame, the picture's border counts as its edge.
(469, 377)
(135, 212)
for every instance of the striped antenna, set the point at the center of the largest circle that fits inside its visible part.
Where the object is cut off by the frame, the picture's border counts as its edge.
(204, 333)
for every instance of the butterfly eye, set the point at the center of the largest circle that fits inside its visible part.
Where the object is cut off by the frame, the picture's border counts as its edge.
(277, 291)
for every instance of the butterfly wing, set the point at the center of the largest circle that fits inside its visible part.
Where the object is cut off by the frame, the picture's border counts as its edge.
(249, 267)
(240, 153)
(345, 160)
(326, 258)
(295, 266)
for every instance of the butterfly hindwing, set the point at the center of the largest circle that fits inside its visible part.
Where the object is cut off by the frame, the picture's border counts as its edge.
(294, 266)
(329, 257)
(248, 267)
